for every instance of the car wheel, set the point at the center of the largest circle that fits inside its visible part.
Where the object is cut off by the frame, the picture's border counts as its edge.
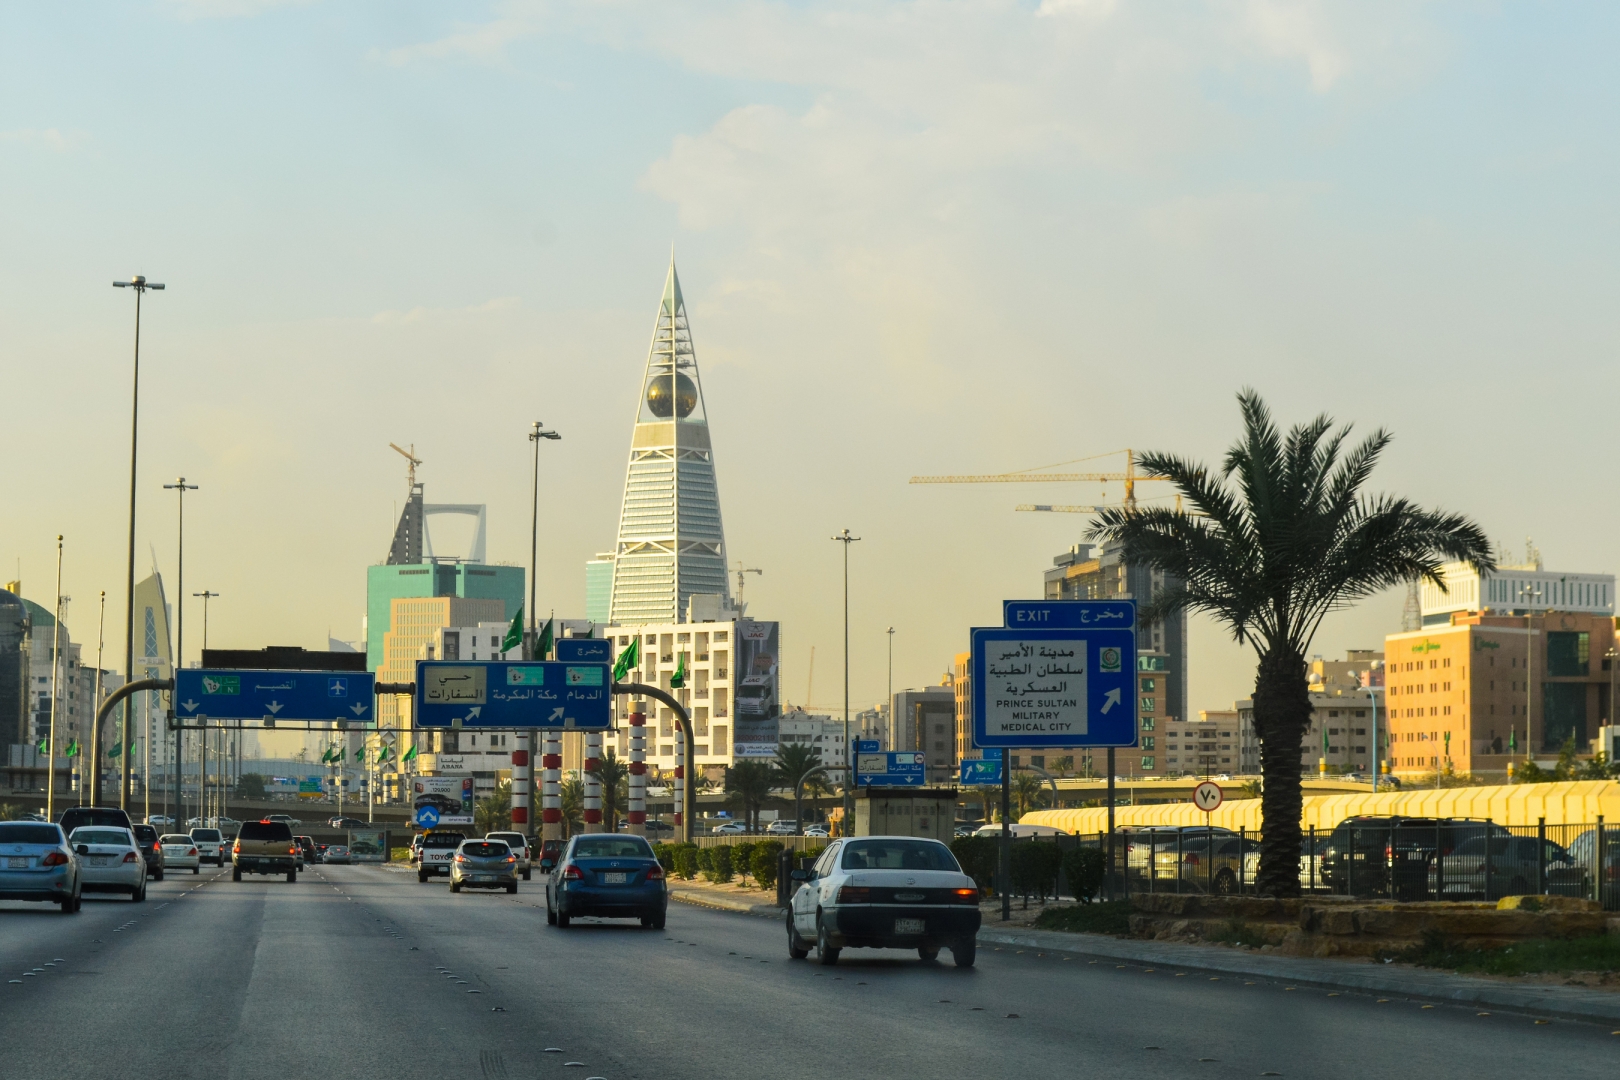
(139, 895)
(525, 875)
(422, 878)
(67, 903)
(511, 889)
(196, 869)
(292, 877)
(797, 949)
(1225, 883)
(658, 920)
(236, 874)
(963, 952)
(563, 920)
(928, 953)
(646, 922)
(455, 886)
(157, 875)
(826, 955)
(551, 916)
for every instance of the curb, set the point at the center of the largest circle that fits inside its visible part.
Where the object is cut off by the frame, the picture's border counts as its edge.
(735, 907)
(1561, 1002)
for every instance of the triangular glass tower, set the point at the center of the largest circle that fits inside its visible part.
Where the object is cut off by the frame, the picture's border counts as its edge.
(671, 543)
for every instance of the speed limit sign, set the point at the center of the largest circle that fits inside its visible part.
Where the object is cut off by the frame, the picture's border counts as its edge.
(1207, 796)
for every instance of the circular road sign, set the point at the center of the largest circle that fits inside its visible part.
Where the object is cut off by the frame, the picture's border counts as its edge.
(1207, 796)
(427, 817)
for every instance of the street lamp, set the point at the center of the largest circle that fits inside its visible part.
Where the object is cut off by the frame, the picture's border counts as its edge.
(206, 596)
(539, 432)
(180, 487)
(140, 285)
(889, 706)
(849, 747)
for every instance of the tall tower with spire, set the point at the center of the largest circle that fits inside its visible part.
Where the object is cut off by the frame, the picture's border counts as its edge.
(671, 543)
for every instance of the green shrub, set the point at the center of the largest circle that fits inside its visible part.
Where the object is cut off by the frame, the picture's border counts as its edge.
(1035, 868)
(665, 854)
(978, 856)
(724, 871)
(762, 862)
(742, 856)
(810, 855)
(705, 863)
(1099, 918)
(1083, 870)
(686, 865)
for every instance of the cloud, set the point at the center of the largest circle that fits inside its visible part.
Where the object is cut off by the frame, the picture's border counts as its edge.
(50, 138)
(440, 315)
(1299, 31)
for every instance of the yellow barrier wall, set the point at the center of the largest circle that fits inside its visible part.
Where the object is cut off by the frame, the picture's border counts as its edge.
(1575, 802)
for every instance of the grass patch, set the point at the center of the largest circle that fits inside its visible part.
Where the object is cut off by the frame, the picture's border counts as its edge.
(1236, 932)
(1599, 952)
(1099, 918)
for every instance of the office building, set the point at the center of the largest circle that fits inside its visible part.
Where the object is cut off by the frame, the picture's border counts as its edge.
(924, 719)
(671, 544)
(820, 731)
(1524, 589)
(464, 581)
(599, 587)
(414, 623)
(16, 644)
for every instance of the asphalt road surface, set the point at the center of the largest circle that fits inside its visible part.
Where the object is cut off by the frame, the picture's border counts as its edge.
(357, 972)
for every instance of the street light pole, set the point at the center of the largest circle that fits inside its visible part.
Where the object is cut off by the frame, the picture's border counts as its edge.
(180, 487)
(140, 285)
(95, 715)
(206, 596)
(889, 701)
(849, 747)
(56, 690)
(535, 435)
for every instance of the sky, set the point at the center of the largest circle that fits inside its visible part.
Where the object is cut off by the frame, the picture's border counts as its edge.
(914, 238)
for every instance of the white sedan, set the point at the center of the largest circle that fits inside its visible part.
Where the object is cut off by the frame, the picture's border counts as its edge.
(180, 853)
(109, 861)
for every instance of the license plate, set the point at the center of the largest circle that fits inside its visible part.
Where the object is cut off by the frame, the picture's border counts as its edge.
(17, 864)
(615, 877)
(908, 926)
(98, 860)
(483, 877)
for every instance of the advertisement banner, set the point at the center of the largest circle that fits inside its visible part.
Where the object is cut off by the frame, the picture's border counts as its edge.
(441, 800)
(756, 698)
(368, 845)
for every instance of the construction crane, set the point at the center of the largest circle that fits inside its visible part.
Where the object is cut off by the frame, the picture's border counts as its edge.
(1129, 477)
(410, 456)
(1049, 508)
(741, 570)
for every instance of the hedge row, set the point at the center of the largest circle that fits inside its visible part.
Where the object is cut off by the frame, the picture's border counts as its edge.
(1035, 867)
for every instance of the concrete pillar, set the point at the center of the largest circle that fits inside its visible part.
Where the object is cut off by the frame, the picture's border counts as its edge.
(521, 785)
(683, 828)
(551, 786)
(638, 768)
(593, 782)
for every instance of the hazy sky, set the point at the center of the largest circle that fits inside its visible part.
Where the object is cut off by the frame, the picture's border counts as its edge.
(913, 238)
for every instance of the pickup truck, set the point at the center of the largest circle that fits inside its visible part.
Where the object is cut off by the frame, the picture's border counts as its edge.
(438, 849)
(264, 847)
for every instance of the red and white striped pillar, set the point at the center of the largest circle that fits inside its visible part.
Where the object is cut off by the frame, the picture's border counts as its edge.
(551, 786)
(638, 768)
(593, 781)
(521, 784)
(682, 826)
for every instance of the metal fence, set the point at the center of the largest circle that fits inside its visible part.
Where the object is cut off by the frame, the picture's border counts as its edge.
(1426, 860)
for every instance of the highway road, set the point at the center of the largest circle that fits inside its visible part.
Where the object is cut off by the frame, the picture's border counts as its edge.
(360, 972)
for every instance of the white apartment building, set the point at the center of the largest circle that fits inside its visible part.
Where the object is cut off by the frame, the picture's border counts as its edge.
(820, 731)
(1515, 590)
(487, 755)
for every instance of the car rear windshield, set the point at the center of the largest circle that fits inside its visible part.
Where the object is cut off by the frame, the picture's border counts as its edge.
(511, 838)
(177, 838)
(484, 849)
(79, 816)
(101, 836)
(443, 839)
(612, 847)
(205, 834)
(146, 833)
(898, 855)
(29, 834)
(265, 830)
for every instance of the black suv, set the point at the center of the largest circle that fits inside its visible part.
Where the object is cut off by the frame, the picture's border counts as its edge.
(1392, 856)
(146, 838)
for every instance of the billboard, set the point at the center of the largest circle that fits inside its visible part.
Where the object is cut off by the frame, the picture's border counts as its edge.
(756, 697)
(368, 845)
(451, 798)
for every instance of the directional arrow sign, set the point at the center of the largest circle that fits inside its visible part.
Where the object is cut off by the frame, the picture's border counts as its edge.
(189, 706)
(358, 709)
(275, 708)
(1110, 700)
(241, 694)
(1069, 686)
(513, 694)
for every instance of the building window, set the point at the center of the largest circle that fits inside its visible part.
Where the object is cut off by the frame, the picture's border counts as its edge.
(1147, 742)
(1147, 725)
(1147, 705)
(1147, 764)
(1148, 686)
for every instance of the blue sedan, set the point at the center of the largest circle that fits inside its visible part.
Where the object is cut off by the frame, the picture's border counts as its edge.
(37, 864)
(606, 875)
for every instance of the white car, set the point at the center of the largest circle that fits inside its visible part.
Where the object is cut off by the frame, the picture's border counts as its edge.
(210, 845)
(884, 892)
(730, 828)
(160, 820)
(180, 852)
(816, 830)
(780, 828)
(109, 861)
(286, 819)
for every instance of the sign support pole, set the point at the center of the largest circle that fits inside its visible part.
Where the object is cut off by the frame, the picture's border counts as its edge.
(551, 785)
(638, 768)
(1110, 877)
(521, 785)
(591, 770)
(1005, 885)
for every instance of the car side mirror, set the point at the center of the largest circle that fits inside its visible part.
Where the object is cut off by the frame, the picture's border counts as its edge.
(82, 849)
(799, 875)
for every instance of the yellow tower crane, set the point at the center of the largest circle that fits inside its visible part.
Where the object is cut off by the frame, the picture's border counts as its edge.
(1130, 477)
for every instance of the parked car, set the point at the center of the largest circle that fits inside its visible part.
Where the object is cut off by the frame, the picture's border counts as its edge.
(884, 892)
(609, 876)
(306, 851)
(346, 823)
(730, 828)
(337, 855)
(146, 838)
(210, 845)
(1211, 861)
(781, 828)
(1390, 856)
(286, 819)
(264, 847)
(1583, 851)
(438, 849)
(1019, 831)
(520, 849)
(38, 864)
(1516, 865)
(484, 864)
(179, 852)
(821, 830)
(109, 861)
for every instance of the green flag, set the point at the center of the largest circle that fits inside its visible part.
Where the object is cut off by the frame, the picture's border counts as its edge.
(116, 751)
(382, 755)
(359, 753)
(678, 680)
(629, 657)
(410, 755)
(327, 757)
(542, 648)
(1513, 740)
(73, 748)
(514, 633)
(1324, 743)
(43, 746)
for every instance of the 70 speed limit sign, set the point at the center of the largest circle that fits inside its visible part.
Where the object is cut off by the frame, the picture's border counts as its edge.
(1207, 796)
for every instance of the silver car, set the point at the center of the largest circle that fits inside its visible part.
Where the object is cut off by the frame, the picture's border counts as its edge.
(337, 854)
(37, 864)
(483, 864)
(520, 847)
(179, 852)
(109, 861)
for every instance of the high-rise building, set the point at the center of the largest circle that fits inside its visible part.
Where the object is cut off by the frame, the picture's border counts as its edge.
(15, 643)
(599, 587)
(465, 581)
(671, 544)
(414, 622)
(924, 719)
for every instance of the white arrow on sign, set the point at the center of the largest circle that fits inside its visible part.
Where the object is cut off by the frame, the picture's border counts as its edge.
(556, 714)
(1110, 699)
(188, 705)
(274, 707)
(357, 709)
(472, 713)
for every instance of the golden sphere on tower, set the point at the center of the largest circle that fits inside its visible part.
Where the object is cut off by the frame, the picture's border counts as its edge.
(658, 396)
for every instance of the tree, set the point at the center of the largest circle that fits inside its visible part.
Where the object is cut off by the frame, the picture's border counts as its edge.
(614, 776)
(493, 813)
(1288, 537)
(1027, 793)
(250, 785)
(748, 784)
(572, 792)
(794, 762)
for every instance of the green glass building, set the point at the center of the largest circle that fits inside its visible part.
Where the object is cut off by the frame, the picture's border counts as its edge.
(475, 581)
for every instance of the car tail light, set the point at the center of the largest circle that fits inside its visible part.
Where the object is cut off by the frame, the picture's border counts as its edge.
(130, 857)
(1389, 852)
(511, 858)
(236, 849)
(854, 894)
(292, 850)
(461, 858)
(571, 873)
(55, 858)
(964, 896)
(193, 851)
(1190, 858)
(656, 873)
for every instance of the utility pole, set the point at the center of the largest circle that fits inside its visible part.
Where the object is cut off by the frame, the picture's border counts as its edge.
(95, 709)
(849, 746)
(206, 596)
(140, 285)
(523, 751)
(889, 701)
(180, 487)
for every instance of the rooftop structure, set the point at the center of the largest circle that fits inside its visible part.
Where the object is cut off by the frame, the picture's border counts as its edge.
(1515, 590)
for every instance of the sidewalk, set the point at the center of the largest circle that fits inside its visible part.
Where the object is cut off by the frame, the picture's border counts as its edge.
(1423, 984)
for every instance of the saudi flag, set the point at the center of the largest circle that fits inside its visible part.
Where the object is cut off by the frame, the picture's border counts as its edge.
(514, 633)
(116, 751)
(43, 746)
(629, 657)
(410, 755)
(542, 648)
(327, 757)
(73, 748)
(382, 755)
(1324, 738)
(359, 753)
(678, 680)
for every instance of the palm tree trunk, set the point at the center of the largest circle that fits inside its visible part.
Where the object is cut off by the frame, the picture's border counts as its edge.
(1282, 712)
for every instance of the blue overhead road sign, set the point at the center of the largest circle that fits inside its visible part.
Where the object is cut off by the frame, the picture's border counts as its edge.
(1081, 614)
(896, 768)
(1070, 686)
(513, 694)
(228, 694)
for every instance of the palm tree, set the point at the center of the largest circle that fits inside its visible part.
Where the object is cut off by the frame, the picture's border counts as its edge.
(749, 783)
(614, 776)
(795, 761)
(1026, 792)
(572, 792)
(1292, 538)
(493, 813)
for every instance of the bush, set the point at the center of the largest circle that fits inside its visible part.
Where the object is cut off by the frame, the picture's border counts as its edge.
(686, 866)
(1083, 870)
(763, 861)
(1035, 868)
(1099, 918)
(724, 871)
(742, 856)
(978, 856)
(665, 854)
(705, 863)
